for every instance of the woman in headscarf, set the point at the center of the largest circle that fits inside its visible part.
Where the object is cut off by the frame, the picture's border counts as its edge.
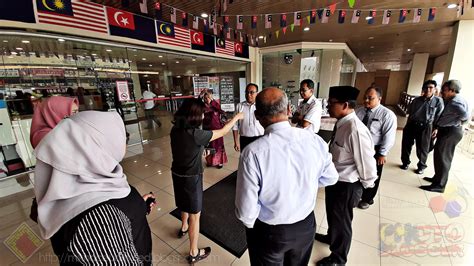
(48, 114)
(212, 121)
(187, 146)
(85, 204)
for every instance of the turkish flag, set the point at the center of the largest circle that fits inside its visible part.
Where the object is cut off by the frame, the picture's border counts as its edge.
(238, 47)
(120, 18)
(197, 37)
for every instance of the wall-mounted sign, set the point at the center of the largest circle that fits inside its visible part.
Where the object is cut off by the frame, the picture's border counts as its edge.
(122, 91)
(199, 84)
(227, 93)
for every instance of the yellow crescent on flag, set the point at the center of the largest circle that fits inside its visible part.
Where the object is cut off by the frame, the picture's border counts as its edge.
(161, 28)
(46, 5)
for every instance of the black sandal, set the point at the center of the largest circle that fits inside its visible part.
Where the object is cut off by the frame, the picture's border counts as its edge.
(182, 233)
(199, 257)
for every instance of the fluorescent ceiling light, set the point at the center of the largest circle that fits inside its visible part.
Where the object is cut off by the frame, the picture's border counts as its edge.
(306, 29)
(204, 15)
(452, 5)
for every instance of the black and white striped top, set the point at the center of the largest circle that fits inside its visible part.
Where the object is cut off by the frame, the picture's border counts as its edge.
(111, 233)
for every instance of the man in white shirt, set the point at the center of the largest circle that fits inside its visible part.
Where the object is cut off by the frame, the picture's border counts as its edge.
(277, 184)
(308, 114)
(353, 155)
(149, 106)
(249, 128)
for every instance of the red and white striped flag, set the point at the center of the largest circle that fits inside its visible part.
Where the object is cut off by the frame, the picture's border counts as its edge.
(181, 36)
(417, 15)
(83, 15)
(224, 47)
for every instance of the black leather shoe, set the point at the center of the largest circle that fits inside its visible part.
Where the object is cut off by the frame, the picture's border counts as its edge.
(322, 238)
(429, 179)
(363, 205)
(404, 166)
(328, 261)
(419, 171)
(433, 188)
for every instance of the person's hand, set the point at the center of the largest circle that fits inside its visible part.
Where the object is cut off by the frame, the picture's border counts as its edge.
(239, 116)
(149, 196)
(434, 134)
(237, 146)
(381, 160)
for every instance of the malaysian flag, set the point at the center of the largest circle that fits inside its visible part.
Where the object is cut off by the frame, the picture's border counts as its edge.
(77, 14)
(224, 47)
(173, 35)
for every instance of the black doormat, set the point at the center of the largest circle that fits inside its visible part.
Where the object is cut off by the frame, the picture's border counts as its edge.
(218, 221)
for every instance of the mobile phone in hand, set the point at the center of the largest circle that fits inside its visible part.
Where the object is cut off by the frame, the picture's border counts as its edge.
(148, 202)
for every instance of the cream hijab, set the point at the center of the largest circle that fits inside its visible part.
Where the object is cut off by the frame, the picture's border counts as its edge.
(78, 168)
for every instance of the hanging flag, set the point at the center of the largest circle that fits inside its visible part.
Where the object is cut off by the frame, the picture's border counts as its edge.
(355, 16)
(297, 19)
(228, 33)
(320, 13)
(241, 37)
(197, 38)
(327, 14)
(195, 22)
(224, 7)
(386, 16)
(224, 47)
(308, 19)
(312, 15)
(143, 6)
(125, 24)
(417, 15)
(72, 14)
(173, 15)
(205, 23)
(268, 21)
(432, 14)
(212, 20)
(226, 22)
(371, 18)
(277, 33)
(403, 15)
(254, 22)
(284, 30)
(170, 34)
(332, 8)
(184, 16)
(351, 3)
(342, 16)
(292, 27)
(214, 30)
(246, 38)
(283, 20)
(158, 11)
(240, 22)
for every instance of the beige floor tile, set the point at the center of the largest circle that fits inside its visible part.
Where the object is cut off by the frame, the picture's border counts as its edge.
(408, 193)
(462, 254)
(456, 229)
(232, 164)
(161, 179)
(389, 260)
(160, 250)
(164, 205)
(218, 256)
(213, 175)
(144, 168)
(373, 209)
(320, 212)
(318, 252)
(174, 259)
(6, 256)
(406, 212)
(392, 173)
(133, 180)
(365, 229)
(166, 228)
(363, 255)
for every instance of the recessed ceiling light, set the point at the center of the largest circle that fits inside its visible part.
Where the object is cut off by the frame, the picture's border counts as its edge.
(25, 41)
(160, 56)
(368, 17)
(163, 64)
(260, 37)
(144, 59)
(452, 5)
(330, 40)
(306, 29)
(94, 54)
(372, 47)
(61, 40)
(204, 15)
(150, 65)
(194, 59)
(178, 77)
(371, 38)
(5, 41)
(145, 76)
(19, 49)
(14, 53)
(108, 50)
(177, 62)
(408, 50)
(32, 53)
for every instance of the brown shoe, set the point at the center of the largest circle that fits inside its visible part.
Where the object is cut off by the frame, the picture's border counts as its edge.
(199, 256)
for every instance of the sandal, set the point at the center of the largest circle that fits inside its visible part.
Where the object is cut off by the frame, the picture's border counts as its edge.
(182, 233)
(199, 256)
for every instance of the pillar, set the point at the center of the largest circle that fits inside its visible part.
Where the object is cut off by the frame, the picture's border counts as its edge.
(417, 73)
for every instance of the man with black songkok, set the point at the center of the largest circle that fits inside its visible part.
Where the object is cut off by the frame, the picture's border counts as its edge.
(352, 152)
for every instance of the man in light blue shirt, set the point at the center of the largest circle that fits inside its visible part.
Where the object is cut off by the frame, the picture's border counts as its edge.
(277, 183)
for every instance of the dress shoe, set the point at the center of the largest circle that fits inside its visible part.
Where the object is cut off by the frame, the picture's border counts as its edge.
(363, 205)
(419, 171)
(433, 188)
(429, 179)
(404, 166)
(328, 261)
(322, 238)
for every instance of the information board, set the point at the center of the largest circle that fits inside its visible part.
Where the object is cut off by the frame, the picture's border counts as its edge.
(226, 85)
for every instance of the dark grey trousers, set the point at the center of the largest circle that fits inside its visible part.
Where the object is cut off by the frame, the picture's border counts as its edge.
(447, 139)
(419, 135)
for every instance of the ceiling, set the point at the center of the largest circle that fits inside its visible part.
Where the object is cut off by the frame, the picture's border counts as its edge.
(378, 46)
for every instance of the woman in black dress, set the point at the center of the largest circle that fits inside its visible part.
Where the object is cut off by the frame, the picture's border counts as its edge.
(187, 146)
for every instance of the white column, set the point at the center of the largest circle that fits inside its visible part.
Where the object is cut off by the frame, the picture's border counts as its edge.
(461, 58)
(417, 73)
(331, 63)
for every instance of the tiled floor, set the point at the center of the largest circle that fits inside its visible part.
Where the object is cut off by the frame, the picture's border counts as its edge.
(405, 226)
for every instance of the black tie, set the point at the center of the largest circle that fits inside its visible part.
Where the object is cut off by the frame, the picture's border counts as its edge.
(365, 120)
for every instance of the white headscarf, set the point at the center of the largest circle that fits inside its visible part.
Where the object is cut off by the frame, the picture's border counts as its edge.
(78, 168)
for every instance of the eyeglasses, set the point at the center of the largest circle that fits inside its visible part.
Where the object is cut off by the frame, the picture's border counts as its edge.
(369, 98)
(250, 92)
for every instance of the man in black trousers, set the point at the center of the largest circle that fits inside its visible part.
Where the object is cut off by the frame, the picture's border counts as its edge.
(448, 131)
(421, 113)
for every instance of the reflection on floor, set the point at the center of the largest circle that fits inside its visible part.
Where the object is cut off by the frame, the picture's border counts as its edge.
(405, 226)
